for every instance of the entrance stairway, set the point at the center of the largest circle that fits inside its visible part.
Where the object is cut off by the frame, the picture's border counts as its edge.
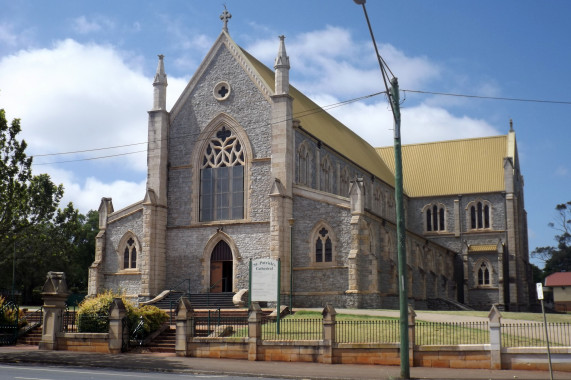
(198, 300)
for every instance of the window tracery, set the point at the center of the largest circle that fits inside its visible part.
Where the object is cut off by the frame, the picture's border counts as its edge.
(480, 214)
(222, 178)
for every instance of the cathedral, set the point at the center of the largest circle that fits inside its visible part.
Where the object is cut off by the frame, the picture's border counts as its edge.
(244, 166)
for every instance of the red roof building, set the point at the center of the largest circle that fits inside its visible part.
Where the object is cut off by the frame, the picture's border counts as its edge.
(560, 282)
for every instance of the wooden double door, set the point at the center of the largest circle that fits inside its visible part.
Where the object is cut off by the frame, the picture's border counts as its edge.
(221, 268)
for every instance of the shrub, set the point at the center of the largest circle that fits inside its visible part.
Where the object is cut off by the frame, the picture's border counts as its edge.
(93, 314)
(8, 314)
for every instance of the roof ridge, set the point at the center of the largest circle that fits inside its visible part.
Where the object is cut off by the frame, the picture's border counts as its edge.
(446, 141)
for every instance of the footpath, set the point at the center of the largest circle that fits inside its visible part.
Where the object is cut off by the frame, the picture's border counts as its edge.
(30, 355)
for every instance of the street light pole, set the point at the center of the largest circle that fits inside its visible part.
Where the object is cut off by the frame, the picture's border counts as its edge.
(393, 95)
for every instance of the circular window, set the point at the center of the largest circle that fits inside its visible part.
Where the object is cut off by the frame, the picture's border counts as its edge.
(222, 91)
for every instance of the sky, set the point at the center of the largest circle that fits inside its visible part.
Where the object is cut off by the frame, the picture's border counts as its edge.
(79, 75)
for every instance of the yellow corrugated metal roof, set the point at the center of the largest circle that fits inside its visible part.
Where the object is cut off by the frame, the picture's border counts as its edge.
(483, 248)
(452, 167)
(328, 129)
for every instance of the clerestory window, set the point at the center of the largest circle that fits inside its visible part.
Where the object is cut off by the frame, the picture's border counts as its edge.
(435, 218)
(222, 178)
(479, 215)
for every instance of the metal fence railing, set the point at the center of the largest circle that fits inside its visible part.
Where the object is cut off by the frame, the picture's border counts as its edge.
(84, 323)
(370, 331)
(292, 329)
(532, 334)
(451, 333)
(217, 325)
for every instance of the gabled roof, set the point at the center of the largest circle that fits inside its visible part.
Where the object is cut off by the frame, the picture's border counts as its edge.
(558, 279)
(313, 118)
(329, 130)
(453, 167)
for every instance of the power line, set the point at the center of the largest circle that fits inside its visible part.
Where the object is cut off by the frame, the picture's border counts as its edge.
(490, 97)
(189, 135)
(90, 158)
(298, 115)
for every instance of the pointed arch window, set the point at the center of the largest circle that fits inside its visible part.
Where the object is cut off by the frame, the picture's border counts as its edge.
(480, 215)
(435, 218)
(345, 180)
(130, 255)
(326, 175)
(222, 178)
(322, 245)
(304, 165)
(128, 251)
(484, 274)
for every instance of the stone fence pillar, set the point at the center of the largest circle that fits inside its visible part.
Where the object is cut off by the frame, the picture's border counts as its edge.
(184, 326)
(54, 294)
(411, 334)
(118, 333)
(329, 337)
(495, 318)
(254, 330)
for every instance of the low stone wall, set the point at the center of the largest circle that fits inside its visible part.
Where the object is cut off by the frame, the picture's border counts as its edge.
(220, 348)
(84, 342)
(532, 358)
(474, 356)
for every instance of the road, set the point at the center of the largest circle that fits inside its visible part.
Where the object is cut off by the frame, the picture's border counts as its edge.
(17, 372)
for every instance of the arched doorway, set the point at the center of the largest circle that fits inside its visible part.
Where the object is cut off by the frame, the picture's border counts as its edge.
(221, 264)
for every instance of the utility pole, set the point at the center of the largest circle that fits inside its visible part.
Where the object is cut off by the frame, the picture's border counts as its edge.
(393, 95)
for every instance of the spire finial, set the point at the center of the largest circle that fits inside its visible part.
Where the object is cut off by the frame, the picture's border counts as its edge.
(511, 125)
(225, 16)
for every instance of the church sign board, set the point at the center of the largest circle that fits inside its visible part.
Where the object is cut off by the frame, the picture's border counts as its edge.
(264, 277)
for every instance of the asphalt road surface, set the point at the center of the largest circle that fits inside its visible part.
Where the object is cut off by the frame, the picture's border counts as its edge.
(17, 372)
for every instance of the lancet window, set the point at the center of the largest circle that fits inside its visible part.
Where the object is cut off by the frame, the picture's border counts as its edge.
(222, 178)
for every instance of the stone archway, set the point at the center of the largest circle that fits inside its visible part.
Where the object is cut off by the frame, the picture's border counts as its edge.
(221, 268)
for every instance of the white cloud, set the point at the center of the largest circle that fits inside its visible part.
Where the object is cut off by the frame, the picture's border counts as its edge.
(84, 26)
(86, 194)
(331, 61)
(374, 123)
(74, 97)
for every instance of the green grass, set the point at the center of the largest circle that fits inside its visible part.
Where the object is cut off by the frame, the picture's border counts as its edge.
(536, 317)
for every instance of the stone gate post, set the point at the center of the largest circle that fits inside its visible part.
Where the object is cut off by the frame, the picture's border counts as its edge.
(184, 326)
(54, 294)
(495, 318)
(411, 334)
(329, 337)
(117, 331)
(254, 330)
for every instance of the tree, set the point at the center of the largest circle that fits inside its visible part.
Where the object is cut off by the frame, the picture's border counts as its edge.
(558, 258)
(35, 234)
(25, 200)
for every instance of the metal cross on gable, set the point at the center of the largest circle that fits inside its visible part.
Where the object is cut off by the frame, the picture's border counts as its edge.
(225, 16)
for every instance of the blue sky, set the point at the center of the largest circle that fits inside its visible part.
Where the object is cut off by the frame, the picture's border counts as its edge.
(79, 75)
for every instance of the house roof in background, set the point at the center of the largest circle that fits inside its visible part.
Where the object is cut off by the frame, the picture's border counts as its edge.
(558, 279)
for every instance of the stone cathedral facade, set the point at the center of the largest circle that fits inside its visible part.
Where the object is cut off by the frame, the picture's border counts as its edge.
(245, 166)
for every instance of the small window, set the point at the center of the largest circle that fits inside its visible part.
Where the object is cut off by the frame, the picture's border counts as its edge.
(130, 254)
(322, 249)
(480, 215)
(435, 218)
(483, 275)
(304, 173)
(326, 175)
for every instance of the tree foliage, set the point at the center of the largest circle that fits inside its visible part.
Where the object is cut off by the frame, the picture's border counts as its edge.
(558, 258)
(36, 236)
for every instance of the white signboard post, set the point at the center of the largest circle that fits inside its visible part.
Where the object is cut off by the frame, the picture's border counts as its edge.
(539, 287)
(265, 283)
